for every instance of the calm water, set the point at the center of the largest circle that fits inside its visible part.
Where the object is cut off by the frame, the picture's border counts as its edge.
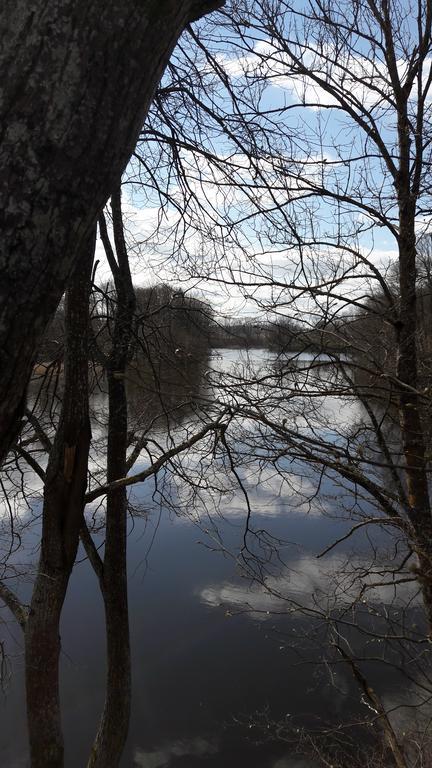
(202, 664)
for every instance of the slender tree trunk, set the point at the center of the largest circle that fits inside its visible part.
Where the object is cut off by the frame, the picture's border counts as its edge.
(407, 371)
(410, 417)
(114, 725)
(66, 481)
(80, 78)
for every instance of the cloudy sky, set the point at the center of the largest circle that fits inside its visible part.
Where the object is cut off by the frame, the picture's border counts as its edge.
(273, 229)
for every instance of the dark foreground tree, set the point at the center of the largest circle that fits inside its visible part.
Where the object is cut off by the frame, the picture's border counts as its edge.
(77, 81)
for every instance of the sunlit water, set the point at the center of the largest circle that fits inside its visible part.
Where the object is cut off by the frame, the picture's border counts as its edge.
(211, 650)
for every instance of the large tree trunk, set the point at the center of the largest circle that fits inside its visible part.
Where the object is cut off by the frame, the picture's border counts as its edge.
(114, 725)
(66, 481)
(78, 81)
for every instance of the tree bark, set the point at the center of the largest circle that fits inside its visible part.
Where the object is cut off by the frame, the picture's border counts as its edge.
(114, 725)
(65, 486)
(410, 417)
(80, 77)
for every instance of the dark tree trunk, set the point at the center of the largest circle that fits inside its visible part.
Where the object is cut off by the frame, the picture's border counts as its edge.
(66, 481)
(410, 416)
(114, 725)
(78, 81)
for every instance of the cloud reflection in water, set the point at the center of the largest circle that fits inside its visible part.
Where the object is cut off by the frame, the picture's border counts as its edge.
(163, 757)
(310, 583)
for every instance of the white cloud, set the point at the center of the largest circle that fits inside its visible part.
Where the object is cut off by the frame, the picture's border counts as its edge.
(365, 78)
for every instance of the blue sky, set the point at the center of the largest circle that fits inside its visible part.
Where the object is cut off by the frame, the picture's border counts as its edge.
(314, 144)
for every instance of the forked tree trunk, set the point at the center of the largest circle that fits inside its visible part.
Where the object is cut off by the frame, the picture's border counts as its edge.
(78, 80)
(66, 481)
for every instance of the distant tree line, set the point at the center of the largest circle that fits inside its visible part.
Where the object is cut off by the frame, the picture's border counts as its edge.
(369, 331)
(168, 322)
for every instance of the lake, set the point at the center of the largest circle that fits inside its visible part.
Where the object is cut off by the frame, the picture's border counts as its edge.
(215, 655)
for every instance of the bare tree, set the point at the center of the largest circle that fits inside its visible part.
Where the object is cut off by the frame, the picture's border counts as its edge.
(65, 485)
(361, 70)
(333, 156)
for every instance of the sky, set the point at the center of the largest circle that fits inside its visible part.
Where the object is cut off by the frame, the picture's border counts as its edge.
(251, 231)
